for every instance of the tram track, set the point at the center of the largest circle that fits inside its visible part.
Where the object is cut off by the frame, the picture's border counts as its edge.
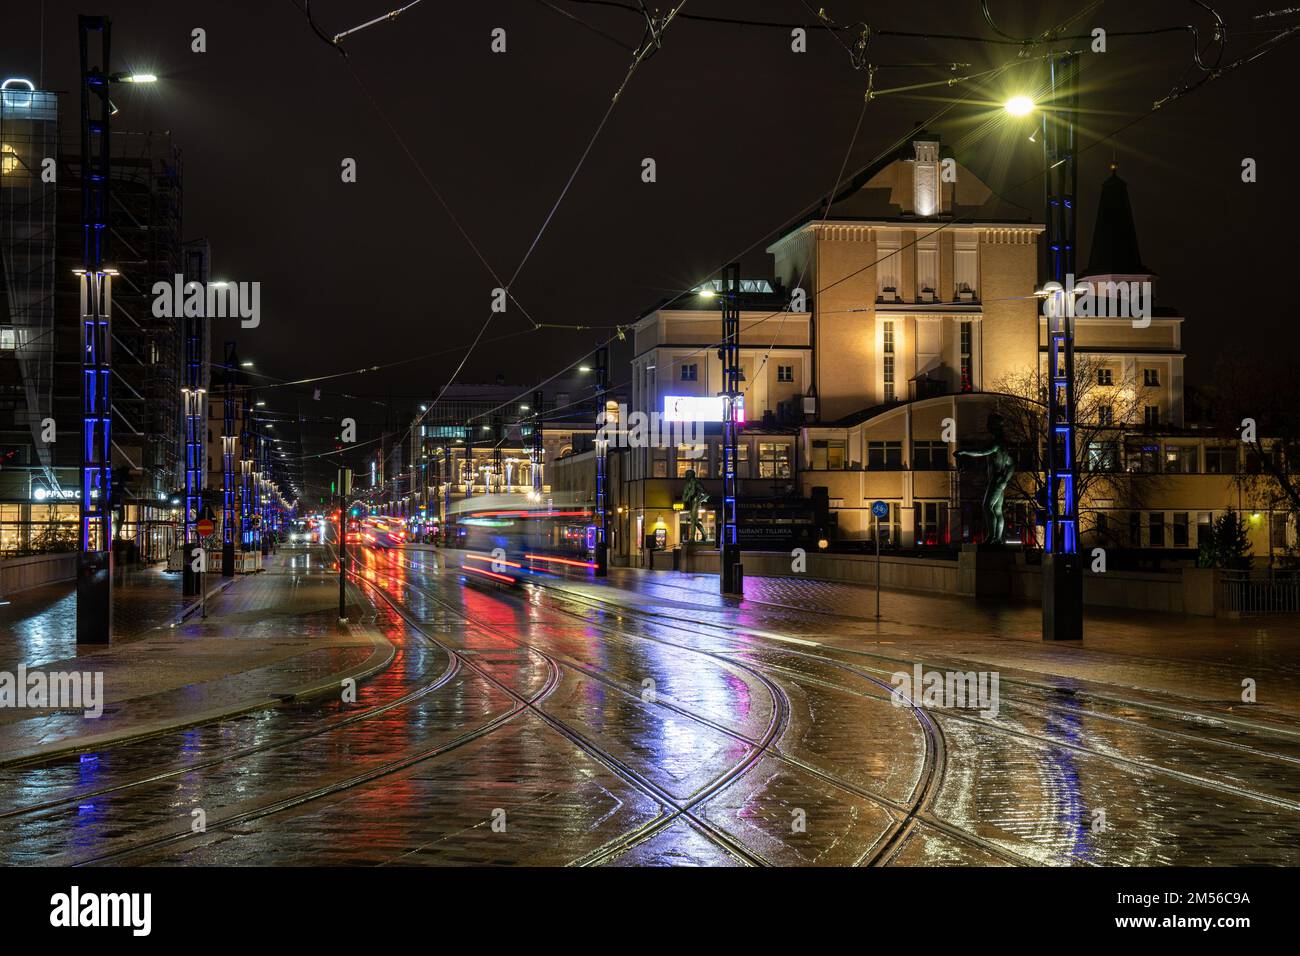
(953, 713)
(925, 788)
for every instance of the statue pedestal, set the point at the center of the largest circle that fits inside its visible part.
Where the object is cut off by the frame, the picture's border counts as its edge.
(984, 571)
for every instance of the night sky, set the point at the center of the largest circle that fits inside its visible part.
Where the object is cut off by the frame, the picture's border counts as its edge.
(745, 133)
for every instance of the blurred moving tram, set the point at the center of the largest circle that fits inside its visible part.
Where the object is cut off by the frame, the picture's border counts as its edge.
(511, 538)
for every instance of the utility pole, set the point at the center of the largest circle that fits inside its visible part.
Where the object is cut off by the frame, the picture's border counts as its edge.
(469, 460)
(228, 465)
(538, 452)
(498, 465)
(445, 505)
(602, 466)
(731, 576)
(1062, 569)
(345, 491)
(95, 557)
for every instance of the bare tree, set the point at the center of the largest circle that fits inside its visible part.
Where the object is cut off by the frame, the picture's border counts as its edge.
(1109, 408)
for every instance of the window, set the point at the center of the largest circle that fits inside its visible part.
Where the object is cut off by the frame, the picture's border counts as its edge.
(888, 354)
(885, 455)
(1151, 377)
(693, 458)
(929, 456)
(828, 454)
(1105, 415)
(1180, 529)
(8, 340)
(1151, 415)
(1135, 529)
(1277, 530)
(1144, 459)
(691, 372)
(931, 522)
(1180, 459)
(785, 373)
(708, 518)
(1156, 529)
(773, 459)
(1103, 456)
(967, 381)
(891, 529)
(1204, 522)
(1221, 459)
(1105, 376)
(659, 465)
(742, 460)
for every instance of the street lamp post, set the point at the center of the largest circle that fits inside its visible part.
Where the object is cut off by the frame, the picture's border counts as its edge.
(731, 577)
(602, 466)
(95, 557)
(345, 491)
(1062, 567)
(228, 496)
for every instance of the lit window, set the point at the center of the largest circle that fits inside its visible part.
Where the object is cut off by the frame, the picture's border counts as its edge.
(889, 361)
(966, 361)
(9, 161)
(8, 341)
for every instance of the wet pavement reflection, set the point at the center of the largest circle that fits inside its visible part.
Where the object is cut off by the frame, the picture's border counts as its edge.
(570, 725)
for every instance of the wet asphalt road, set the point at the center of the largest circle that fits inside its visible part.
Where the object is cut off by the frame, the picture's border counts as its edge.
(537, 727)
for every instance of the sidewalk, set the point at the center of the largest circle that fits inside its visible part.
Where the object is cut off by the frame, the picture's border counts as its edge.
(1135, 653)
(268, 637)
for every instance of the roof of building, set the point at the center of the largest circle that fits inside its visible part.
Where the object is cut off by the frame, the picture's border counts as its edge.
(1114, 239)
(872, 194)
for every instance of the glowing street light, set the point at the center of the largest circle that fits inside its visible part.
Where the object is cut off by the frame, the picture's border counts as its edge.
(135, 78)
(1019, 106)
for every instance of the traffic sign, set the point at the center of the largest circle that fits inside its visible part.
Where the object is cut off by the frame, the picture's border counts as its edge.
(205, 527)
(880, 509)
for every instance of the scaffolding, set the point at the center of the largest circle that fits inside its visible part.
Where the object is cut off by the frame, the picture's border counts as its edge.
(29, 135)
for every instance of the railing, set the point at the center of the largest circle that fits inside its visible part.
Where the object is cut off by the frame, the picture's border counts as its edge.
(1261, 592)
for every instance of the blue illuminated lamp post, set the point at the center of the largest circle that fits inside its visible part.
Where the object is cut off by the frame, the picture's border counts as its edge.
(730, 579)
(95, 558)
(1062, 567)
(602, 467)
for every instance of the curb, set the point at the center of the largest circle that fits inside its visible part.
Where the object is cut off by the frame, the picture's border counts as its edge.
(380, 658)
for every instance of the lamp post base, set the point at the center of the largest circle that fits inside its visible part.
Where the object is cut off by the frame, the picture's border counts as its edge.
(94, 597)
(1062, 597)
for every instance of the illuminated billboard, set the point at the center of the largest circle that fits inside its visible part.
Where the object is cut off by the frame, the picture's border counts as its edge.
(700, 408)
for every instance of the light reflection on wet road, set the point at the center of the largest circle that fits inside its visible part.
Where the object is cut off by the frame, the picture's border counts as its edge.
(537, 727)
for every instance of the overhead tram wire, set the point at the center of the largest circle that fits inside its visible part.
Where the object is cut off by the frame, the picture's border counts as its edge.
(1255, 54)
(896, 144)
(895, 33)
(648, 46)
